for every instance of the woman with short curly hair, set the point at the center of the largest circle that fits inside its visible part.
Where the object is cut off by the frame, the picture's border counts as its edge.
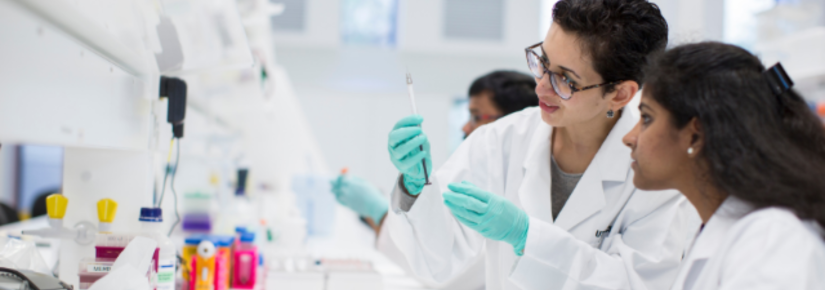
(547, 191)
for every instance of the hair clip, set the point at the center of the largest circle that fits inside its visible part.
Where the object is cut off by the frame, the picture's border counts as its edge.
(778, 80)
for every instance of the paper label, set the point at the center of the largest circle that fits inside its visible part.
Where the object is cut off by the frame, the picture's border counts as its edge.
(98, 269)
(166, 274)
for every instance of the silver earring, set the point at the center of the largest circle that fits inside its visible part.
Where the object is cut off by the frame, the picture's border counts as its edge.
(690, 151)
(610, 114)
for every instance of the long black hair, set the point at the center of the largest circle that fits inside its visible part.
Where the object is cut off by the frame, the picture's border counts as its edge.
(763, 148)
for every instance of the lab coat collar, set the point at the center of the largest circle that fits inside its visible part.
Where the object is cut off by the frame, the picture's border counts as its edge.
(610, 164)
(613, 157)
(534, 191)
(708, 239)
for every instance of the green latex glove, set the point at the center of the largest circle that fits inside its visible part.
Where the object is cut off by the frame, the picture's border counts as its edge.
(361, 196)
(405, 142)
(493, 216)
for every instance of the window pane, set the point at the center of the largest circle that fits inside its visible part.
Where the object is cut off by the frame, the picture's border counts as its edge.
(741, 27)
(371, 22)
(292, 19)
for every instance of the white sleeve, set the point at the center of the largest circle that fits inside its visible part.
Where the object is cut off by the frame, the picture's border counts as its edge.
(774, 252)
(435, 244)
(642, 251)
(471, 279)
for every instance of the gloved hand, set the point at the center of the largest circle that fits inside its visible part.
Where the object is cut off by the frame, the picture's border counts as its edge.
(404, 142)
(492, 215)
(361, 196)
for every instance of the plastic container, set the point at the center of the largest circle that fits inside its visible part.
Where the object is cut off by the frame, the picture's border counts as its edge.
(92, 269)
(197, 223)
(190, 249)
(239, 231)
(151, 221)
(244, 212)
(203, 267)
(245, 261)
(243, 209)
(109, 246)
(197, 202)
(223, 258)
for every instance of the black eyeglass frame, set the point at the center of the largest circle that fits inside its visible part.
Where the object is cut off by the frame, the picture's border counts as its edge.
(573, 89)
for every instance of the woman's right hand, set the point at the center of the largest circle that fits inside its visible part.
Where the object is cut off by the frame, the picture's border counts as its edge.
(408, 146)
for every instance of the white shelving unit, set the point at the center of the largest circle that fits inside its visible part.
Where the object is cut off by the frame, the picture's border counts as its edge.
(82, 75)
(68, 81)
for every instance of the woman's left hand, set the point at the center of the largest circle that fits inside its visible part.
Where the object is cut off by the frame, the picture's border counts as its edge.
(492, 215)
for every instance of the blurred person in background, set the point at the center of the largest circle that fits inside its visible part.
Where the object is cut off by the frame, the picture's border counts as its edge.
(499, 94)
(492, 96)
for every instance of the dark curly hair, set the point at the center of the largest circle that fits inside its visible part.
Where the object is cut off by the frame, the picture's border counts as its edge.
(512, 91)
(617, 34)
(765, 149)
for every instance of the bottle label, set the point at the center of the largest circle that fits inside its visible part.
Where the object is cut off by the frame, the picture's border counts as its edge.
(98, 269)
(166, 274)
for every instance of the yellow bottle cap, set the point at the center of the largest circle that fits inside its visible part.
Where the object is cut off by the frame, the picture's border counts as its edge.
(56, 206)
(214, 179)
(106, 209)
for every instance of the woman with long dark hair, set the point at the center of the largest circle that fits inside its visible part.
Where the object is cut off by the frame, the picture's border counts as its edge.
(746, 151)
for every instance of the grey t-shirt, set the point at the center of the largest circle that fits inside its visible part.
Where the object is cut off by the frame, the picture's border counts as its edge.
(563, 185)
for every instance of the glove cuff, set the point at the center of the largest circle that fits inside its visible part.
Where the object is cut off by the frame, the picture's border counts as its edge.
(413, 185)
(520, 232)
(378, 213)
(377, 208)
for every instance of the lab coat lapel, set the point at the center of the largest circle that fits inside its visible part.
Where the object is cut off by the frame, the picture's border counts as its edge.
(534, 191)
(585, 200)
(611, 164)
(707, 242)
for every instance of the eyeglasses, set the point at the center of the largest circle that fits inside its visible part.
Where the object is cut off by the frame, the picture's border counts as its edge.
(561, 84)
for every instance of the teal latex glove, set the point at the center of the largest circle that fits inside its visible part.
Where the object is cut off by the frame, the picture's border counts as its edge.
(404, 144)
(361, 196)
(493, 216)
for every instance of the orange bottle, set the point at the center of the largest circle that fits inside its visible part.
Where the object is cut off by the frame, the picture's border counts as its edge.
(203, 267)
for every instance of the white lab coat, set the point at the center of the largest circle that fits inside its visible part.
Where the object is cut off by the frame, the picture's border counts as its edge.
(471, 279)
(744, 249)
(609, 235)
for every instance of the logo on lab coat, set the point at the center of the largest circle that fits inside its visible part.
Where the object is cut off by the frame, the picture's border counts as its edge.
(604, 233)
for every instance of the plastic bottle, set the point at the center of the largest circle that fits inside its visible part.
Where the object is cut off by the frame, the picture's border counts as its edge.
(223, 258)
(204, 264)
(244, 213)
(245, 262)
(190, 249)
(151, 221)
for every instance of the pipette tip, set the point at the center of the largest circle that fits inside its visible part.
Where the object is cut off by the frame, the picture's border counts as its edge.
(409, 78)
